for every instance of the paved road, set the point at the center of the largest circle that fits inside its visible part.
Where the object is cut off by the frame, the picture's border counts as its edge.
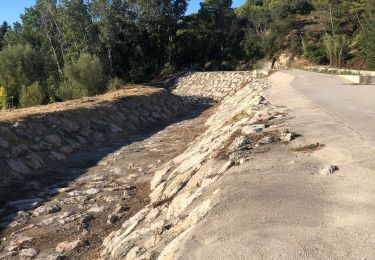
(277, 205)
(353, 104)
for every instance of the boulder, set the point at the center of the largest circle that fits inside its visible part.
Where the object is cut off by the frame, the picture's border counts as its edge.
(35, 161)
(329, 169)
(45, 210)
(98, 137)
(18, 166)
(28, 253)
(66, 246)
(57, 156)
(66, 149)
(252, 129)
(54, 140)
(69, 125)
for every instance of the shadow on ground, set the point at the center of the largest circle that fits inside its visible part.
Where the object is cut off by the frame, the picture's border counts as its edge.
(59, 174)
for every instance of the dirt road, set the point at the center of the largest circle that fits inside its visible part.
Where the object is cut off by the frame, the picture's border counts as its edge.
(278, 205)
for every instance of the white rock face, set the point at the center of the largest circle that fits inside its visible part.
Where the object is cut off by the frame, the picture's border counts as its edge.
(252, 129)
(179, 190)
(28, 253)
(67, 246)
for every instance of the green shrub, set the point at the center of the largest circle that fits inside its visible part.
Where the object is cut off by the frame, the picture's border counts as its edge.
(32, 95)
(296, 45)
(20, 66)
(314, 52)
(337, 48)
(115, 84)
(68, 91)
(52, 88)
(3, 98)
(85, 75)
(252, 45)
(366, 45)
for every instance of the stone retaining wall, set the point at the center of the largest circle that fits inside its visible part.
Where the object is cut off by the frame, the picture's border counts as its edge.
(213, 85)
(41, 136)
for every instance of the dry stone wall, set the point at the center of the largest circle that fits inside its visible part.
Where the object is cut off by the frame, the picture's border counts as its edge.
(214, 86)
(38, 138)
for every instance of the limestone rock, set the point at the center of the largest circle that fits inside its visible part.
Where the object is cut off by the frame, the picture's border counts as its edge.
(133, 253)
(22, 218)
(75, 193)
(329, 169)
(288, 137)
(252, 129)
(96, 209)
(266, 140)
(66, 246)
(28, 253)
(239, 143)
(44, 210)
(92, 191)
(20, 240)
(67, 217)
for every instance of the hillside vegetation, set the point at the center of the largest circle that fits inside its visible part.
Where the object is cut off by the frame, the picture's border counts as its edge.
(67, 49)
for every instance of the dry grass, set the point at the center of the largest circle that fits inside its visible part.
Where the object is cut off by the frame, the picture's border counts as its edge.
(309, 148)
(237, 117)
(86, 102)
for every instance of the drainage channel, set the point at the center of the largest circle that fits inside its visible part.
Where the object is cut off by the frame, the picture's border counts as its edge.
(68, 212)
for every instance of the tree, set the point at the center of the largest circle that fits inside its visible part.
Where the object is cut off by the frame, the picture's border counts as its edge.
(77, 28)
(337, 48)
(366, 41)
(20, 66)
(218, 14)
(86, 74)
(4, 28)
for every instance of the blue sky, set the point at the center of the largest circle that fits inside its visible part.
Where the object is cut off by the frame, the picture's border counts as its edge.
(194, 5)
(10, 10)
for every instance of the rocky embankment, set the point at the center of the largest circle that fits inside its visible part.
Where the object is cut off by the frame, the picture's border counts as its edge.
(114, 183)
(33, 139)
(208, 85)
(244, 123)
